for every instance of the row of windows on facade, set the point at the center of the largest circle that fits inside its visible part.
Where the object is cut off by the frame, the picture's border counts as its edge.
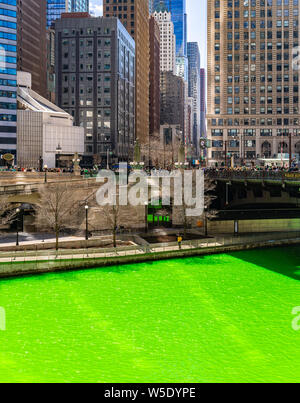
(105, 55)
(259, 68)
(279, 89)
(262, 35)
(280, 55)
(253, 45)
(262, 57)
(254, 132)
(86, 90)
(262, 111)
(87, 78)
(105, 103)
(86, 66)
(262, 14)
(87, 43)
(281, 148)
(261, 100)
(279, 78)
(120, 8)
(253, 122)
(254, 3)
(106, 67)
(87, 31)
(262, 24)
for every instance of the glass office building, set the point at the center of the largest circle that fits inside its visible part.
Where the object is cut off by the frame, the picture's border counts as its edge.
(56, 7)
(8, 76)
(177, 9)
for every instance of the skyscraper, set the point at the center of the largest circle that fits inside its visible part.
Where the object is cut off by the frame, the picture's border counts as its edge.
(8, 77)
(202, 103)
(253, 84)
(96, 83)
(32, 54)
(135, 18)
(167, 40)
(56, 7)
(194, 90)
(173, 101)
(177, 8)
(154, 77)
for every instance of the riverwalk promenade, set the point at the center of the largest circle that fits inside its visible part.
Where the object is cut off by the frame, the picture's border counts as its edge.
(34, 262)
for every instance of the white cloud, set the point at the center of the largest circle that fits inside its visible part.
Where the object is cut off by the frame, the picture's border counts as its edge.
(96, 7)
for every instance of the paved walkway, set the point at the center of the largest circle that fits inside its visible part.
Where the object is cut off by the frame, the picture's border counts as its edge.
(34, 239)
(97, 253)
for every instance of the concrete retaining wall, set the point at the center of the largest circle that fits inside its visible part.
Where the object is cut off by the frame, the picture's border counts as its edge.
(39, 267)
(255, 226)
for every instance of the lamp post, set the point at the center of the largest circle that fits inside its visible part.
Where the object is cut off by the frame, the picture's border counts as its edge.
(205, 222)
(18, 212)
(45, 169)
(146, 217)
(86, 222)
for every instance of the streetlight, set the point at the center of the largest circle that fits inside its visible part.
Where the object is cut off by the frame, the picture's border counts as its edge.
(18, 212)
(146, 216)
(45, 169)
(86, 222)
(205, 222)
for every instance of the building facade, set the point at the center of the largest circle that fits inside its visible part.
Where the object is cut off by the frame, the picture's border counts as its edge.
(203, 103)
(8, 77)
(172, 103)
(46, 134)
(194, 91)
(95, 83)
(135, 18)
(50, 42)
(253, 82)
(56, 7)
(177, 8)
(32, 42)
(154, 77)
(167, 40)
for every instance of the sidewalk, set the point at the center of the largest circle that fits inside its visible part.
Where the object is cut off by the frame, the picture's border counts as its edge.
(29, 239)
(146, 249)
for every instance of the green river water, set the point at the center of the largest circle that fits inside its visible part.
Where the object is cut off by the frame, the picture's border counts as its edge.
(219, 318)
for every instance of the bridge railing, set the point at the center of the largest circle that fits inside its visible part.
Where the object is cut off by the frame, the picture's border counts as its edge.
(259, 175)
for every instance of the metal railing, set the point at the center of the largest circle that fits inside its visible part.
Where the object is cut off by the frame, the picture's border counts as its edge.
(62, 258)
(252, 174)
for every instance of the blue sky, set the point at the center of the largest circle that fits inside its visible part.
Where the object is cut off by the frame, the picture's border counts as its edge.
(196, 10)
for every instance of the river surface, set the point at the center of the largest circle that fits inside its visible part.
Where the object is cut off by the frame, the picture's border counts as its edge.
(222, 318)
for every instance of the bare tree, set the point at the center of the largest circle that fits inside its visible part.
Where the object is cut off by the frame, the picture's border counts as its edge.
(58, 208)
(8, 212)
(112, 215)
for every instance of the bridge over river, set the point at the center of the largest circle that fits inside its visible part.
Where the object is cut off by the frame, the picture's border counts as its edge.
(257, 196)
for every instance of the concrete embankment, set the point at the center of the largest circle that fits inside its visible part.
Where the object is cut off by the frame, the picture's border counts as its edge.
(11, 269)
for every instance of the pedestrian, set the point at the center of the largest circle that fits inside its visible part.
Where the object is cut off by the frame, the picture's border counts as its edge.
(179, 240)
